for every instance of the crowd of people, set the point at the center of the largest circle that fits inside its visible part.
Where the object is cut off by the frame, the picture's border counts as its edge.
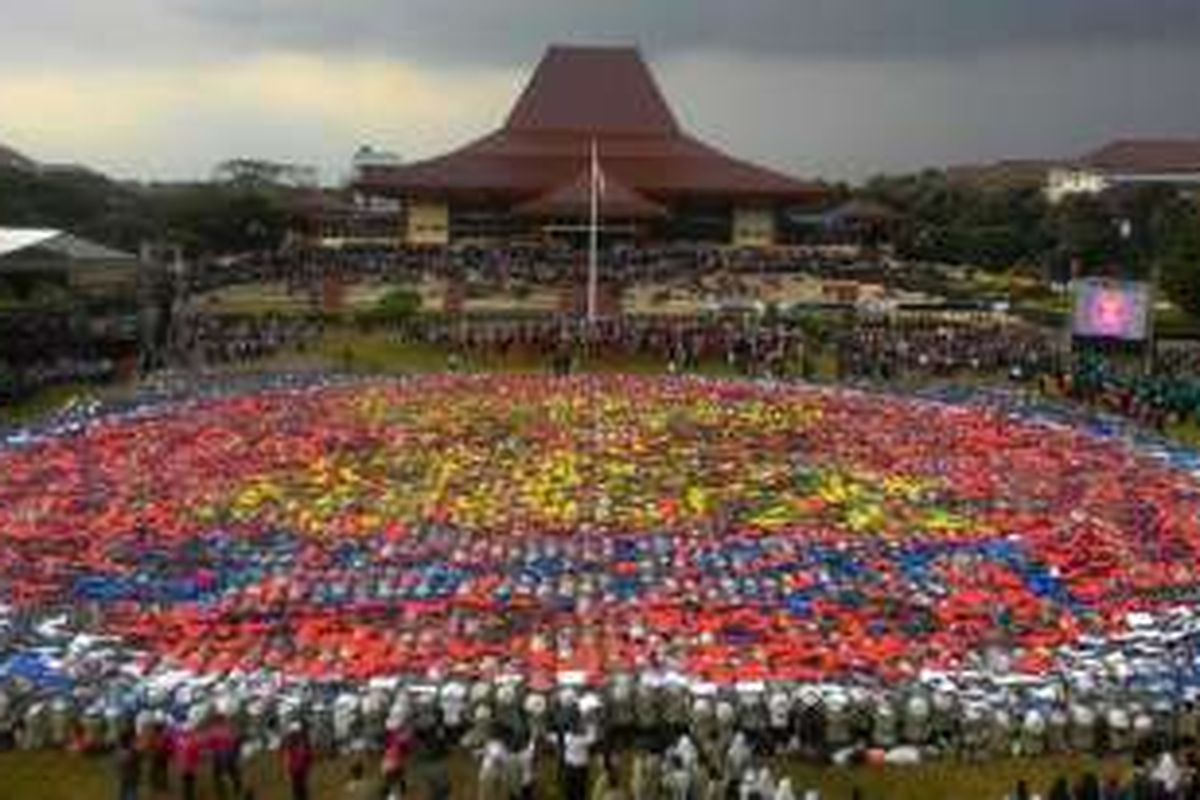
(512, 748)
(39, 350)
(213, 340)
(904, 350)
(1167, 395)
(1161, 777)
(680, 345)
(930, 346)
(279, 528)
(542, 263)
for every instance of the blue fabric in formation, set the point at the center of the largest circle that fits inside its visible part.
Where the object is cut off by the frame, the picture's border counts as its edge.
(37, 670)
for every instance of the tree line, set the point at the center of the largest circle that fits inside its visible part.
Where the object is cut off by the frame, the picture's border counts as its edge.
(204, 218)
(1124, 233)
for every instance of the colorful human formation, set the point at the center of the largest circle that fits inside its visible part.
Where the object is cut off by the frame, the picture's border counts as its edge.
(457, 527)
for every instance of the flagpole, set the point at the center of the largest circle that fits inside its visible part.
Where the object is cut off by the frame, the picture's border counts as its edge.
(593, 234)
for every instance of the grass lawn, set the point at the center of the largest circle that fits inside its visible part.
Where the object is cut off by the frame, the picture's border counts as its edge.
(274, 298)
(1186, 432)
(43, 403)
(56, 776)
(256, 298)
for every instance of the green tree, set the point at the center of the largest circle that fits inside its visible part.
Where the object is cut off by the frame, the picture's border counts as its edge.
(995, 227)
(1084, 231)
(398, 305)
(213, 219)
(1178, 233)
(209, 219)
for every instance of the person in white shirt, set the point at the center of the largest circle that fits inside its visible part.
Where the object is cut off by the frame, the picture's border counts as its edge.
(686, 749)
(577, 756)
(737, 759)
(1167, 773)
(495, 765)
(757, 784)
(677, 778)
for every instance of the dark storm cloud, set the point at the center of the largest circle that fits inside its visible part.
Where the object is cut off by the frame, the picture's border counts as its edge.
(508, 31)
(840, 88)
(847, 119)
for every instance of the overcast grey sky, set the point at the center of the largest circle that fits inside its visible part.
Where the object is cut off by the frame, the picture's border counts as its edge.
(832, 88)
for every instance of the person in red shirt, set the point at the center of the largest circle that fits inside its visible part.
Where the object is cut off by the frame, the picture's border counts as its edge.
(395, 758)
(298, 761)
(226, 757)
(188, 748)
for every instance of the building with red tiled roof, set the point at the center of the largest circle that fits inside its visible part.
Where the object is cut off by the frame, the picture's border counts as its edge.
(1173, 162)
(532, 176)
(1150, 156)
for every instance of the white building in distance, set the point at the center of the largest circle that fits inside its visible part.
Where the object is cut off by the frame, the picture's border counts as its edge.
(1128, 162)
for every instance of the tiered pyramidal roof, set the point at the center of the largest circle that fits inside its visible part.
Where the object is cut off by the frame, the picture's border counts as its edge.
(576, 96)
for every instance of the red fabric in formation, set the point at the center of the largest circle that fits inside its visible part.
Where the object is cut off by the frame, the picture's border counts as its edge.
(1116, 530)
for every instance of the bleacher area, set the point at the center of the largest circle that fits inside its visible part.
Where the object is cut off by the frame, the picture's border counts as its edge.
(683, 279)
(548, 265)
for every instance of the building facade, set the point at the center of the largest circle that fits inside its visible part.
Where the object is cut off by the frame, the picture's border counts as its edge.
(533, 177)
